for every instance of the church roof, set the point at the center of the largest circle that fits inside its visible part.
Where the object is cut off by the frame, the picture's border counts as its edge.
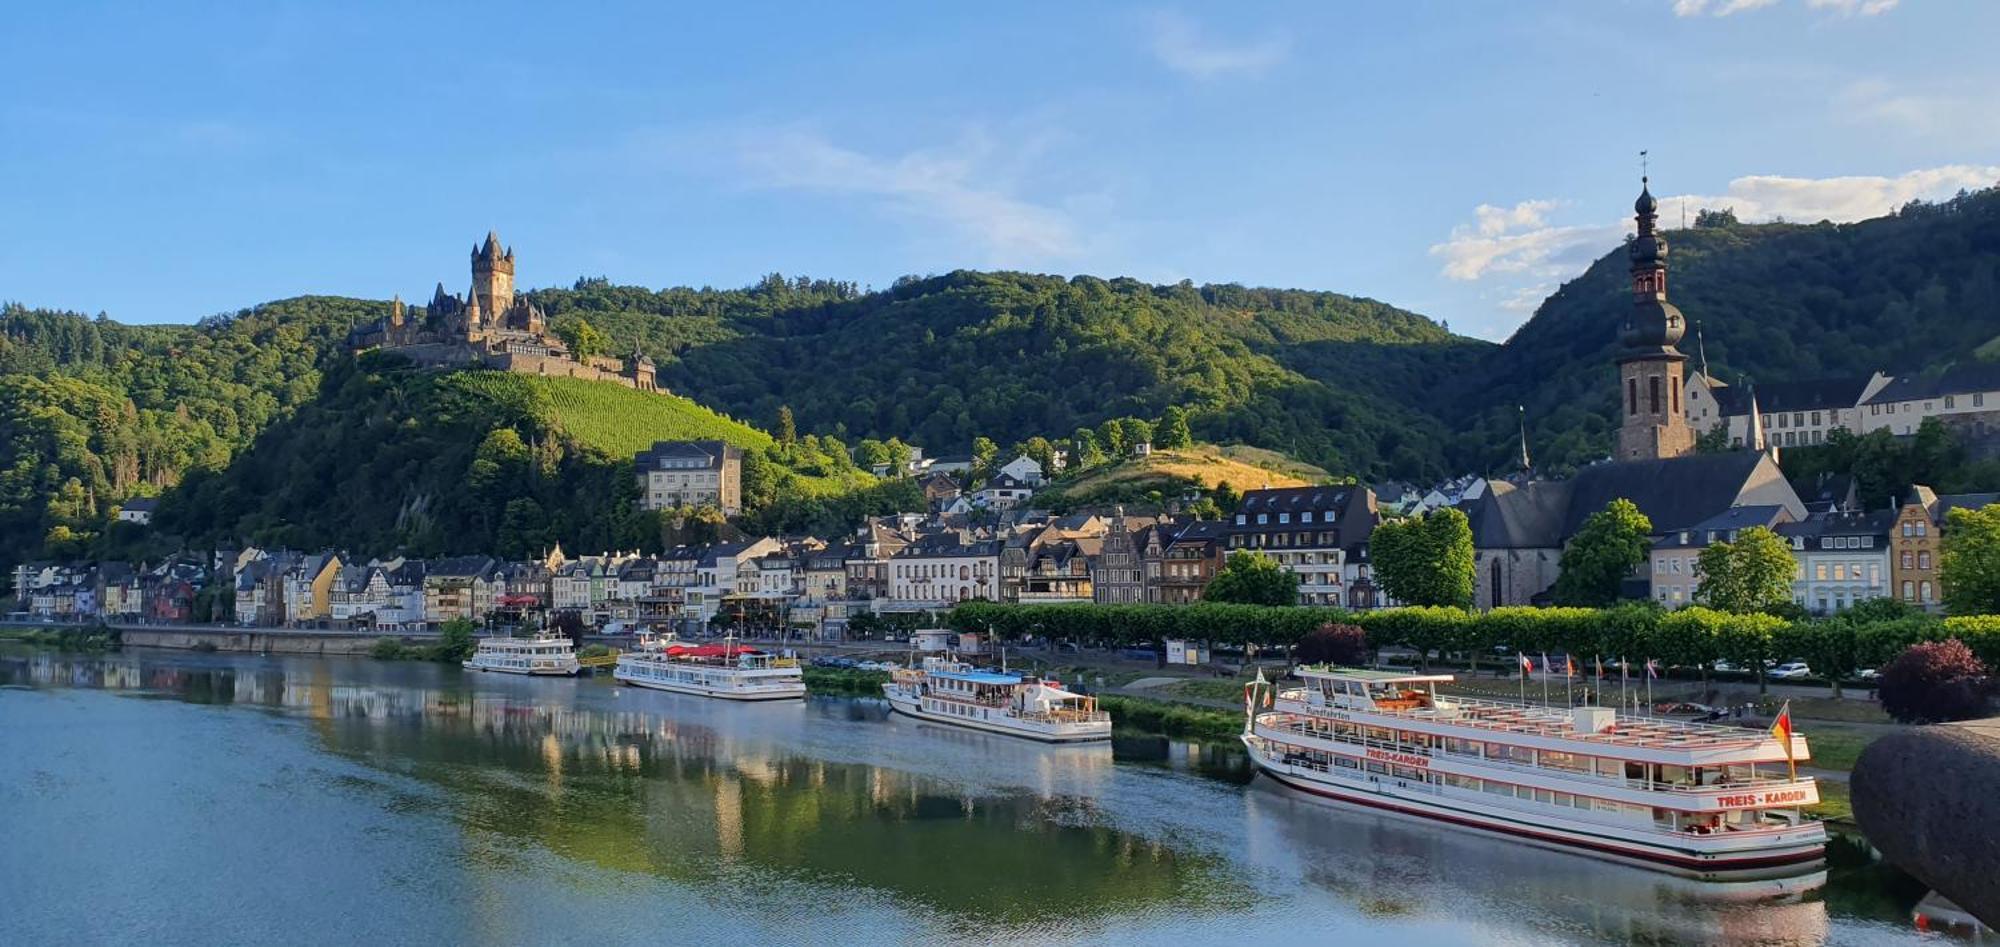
(1675, 493)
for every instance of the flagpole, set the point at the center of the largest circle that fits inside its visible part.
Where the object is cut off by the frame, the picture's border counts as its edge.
(1624, 676)
(1521, 664)
(1649, 685)
(1545, 679)
(1569, 681)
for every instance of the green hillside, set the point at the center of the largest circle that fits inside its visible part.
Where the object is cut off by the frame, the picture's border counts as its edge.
(391, 458)
(1339, 381)
(611, 419)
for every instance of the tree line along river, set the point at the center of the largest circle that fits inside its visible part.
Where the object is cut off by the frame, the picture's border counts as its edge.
(232, 798)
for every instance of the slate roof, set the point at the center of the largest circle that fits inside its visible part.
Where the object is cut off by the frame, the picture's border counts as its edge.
(1857, 523)
(140, 505)
(1965, 379)
(1296, 499)
(714, 452)
(1817, 394)
(460, 567)
(1967, 501)
(1723, 526)
(1826, 492)
(1675, 493)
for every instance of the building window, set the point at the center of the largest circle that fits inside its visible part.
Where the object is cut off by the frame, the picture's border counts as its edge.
(1909, 590)
(1674, 388)
(1632, 396)
(1924, 560)
(1949, 402)
(1653, 393)
(1924, 591)
(1909, 558)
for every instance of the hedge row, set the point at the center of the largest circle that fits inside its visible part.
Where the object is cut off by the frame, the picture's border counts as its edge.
(1689, 637)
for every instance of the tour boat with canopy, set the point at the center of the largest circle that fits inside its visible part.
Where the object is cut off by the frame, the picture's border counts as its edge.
(1699, 800)
(544, 654)
(947, 690)
(727, 670)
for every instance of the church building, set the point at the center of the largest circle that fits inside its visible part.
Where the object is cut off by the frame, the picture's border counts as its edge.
(1519, 529)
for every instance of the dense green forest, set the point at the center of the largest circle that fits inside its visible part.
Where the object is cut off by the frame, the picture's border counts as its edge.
(93, 412)
(281, 436)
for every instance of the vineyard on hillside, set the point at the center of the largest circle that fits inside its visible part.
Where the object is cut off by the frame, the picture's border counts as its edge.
(605, 417)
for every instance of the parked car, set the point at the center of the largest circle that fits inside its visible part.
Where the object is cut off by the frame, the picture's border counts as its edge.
(1790, 670)
(1684, 708)
(1868, 674)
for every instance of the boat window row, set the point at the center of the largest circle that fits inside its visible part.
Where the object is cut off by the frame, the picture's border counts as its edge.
(1603, 768)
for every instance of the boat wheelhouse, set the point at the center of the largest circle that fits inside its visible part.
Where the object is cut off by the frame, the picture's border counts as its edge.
(544, 654)
(728, 670)
(1702, 800)
(946, 690)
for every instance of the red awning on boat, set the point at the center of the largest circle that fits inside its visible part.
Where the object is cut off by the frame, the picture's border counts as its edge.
(710, 651)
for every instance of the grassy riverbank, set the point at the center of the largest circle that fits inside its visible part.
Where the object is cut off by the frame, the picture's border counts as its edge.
(1172, 719)
(845, 682)
(81, 638)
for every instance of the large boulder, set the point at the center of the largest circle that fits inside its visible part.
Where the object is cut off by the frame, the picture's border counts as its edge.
(1929, 798)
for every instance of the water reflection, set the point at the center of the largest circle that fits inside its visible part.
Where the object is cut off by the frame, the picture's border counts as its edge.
(933, 830)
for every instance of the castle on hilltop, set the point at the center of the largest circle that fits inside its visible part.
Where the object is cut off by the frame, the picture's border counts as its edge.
(492, 328)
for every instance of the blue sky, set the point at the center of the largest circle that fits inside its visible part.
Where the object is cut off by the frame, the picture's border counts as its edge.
(1458, 159)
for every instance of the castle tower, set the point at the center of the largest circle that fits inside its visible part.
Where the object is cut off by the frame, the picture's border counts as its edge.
(1650, 369)
(396, 312)
(492, 277)
(474, 318)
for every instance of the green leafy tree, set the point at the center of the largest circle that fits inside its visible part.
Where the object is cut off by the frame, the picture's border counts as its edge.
(1426, 560)
(584, 340)
(455, 640)
(1612, 543)
(788, 430)
(1970, 560)
(1137, 431)
(1751, 574)
(983, 452)
(873, 453)
(1173, 432)
(1252, 578)
(1084, 445)
(1715, 440)
(1111, 436)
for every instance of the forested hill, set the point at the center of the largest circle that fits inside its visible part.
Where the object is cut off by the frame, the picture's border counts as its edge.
(1335, 380)
(1775, 302)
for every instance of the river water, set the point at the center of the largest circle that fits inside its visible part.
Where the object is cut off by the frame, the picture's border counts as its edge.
(185, 798)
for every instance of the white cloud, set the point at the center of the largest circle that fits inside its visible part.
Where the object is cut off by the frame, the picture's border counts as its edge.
(1183, 46)
(959, 188)
(1954, 109)
(1853, 7)
(1520, 239)
(1724, 8)
(1718, 8)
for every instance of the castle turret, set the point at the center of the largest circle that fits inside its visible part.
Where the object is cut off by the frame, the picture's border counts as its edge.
(396, 312)
(492, 277)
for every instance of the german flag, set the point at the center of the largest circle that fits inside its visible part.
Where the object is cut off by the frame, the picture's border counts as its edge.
(1781, 730)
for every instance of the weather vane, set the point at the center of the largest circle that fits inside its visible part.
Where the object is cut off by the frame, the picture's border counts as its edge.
(1642, 164)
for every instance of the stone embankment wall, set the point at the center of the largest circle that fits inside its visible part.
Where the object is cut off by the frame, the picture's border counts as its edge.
(251, 640)
(1929, 798)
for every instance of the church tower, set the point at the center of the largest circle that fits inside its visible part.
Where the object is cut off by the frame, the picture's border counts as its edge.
(492, 277)
(1649, 367)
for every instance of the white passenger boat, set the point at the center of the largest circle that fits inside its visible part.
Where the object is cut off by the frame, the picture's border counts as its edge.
(728, 670)
(1698, 800)
(542, 654)
(950, 691)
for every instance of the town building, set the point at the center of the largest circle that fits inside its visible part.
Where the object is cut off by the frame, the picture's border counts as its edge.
(939, 570)
(1843, 558)
(1674, 560)
(1310, 531)
(677, 474)
(1179, 558)
(1966, 399)
(138, 510)
(1004, 491)
(308, 589)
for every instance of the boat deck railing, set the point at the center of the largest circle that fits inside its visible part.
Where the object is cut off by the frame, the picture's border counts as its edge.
(1066, 716)
(1289, 723)
(1627, 729)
